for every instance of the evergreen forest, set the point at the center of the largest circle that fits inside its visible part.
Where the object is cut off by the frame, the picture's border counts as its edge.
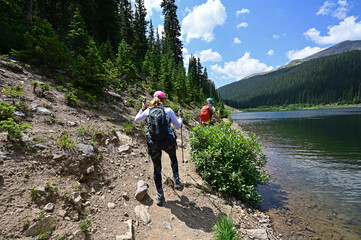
(103, 44)
(330, 79)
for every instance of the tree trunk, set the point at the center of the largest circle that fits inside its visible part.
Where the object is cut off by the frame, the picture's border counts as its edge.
(29, 10)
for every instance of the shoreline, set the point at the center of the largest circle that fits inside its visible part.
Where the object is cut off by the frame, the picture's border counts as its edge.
(294, 108)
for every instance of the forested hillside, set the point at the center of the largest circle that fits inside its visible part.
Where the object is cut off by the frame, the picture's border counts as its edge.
(331, 79)
(103, 44)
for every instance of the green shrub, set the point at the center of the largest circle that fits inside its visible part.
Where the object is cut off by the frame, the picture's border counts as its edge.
(129, 128)
(35, 85)
(62, 89)
(43, 235)
(229, 161)
(85, 224)
(45, 88)
(65, 141)
(15, 130)
(224, 230)
(34, 194)
(71, 99)
(6, 110)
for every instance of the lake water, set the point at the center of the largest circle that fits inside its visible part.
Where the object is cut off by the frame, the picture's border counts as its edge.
(314, 158)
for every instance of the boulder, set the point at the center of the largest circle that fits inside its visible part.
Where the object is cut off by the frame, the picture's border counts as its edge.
(257, 234)
(142, 212)
(142, 189)
(47, 224)
(43, 111)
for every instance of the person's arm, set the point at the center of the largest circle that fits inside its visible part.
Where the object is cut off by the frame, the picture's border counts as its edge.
(142, 114)
(176, 121)
(215, 115)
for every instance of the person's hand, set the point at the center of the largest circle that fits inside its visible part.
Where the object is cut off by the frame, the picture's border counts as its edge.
(180, 113)
(144, 107)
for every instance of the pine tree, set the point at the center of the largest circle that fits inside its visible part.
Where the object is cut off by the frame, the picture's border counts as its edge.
(126, 21)
(140, 45)
(78, 35)
(125, 62)
(172, 29)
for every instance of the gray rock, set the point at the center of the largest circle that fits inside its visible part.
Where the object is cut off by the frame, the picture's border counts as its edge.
(166, 225)
(142, 212)
(49, 207)
(124, 148)
(142, 189)
(38, 146)
(111, 205)
(257, 234)
(33, 107)
(77, 200)
(57, 157)
(90, 170)
(125, 196)
(118, 108)
(26, 138)
(88, 150)
(72, 123)
(48, 224)
(79, 235)
(116, 95)
(43, 111)
(20, 114)
(129, 234)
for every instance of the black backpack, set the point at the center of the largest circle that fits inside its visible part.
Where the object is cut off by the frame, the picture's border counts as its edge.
(157, 123)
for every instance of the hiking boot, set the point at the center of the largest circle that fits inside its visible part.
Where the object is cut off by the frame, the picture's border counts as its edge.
(160, 199)
(177, 184)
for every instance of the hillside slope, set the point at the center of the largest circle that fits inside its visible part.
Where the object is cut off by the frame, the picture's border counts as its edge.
(329, 79)
(78, 167)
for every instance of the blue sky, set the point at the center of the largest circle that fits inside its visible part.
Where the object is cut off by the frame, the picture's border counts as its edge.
(236, 38)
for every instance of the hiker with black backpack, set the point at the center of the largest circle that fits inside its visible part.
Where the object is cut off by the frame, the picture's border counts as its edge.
(207, 113)
(161, 137)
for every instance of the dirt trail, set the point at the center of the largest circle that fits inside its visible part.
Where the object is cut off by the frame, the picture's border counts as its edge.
(101, 187)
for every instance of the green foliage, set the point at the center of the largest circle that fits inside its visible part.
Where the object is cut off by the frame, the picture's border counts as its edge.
(13, 25)
(224, 230)
(43, 235)
(14, 92)
(85, 224)
(6, 110)
(34, 194)
(35, 85)
(44, 45)
(129, 128)
(62, 89)
(51, 187)
(15, 130)
(65, 141)
(229, 161)
(45, 88)
(41, 216)
(72, 99)
(124, 61)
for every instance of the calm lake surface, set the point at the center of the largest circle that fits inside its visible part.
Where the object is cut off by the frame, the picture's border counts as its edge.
(314, 158)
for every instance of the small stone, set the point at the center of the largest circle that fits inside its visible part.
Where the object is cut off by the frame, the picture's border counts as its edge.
(166, 225)
(49, 207)
(90, 170)
(142, 189)
(142, 212)
(111, 205)
(129, 234)
(74, 215)
(124, 148)
(125, 196)
(19, 114)
(43, 111)
(257, 234)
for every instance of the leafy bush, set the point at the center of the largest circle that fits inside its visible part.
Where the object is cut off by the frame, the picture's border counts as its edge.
(6, 110)
(71, 99)
(224, 230)
(65, 141)
(85, 224)
(129, 128)
(229, 161)
(15, 130)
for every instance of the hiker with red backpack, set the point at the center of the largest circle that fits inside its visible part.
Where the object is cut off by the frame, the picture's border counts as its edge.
(161, 137)
(207, 113)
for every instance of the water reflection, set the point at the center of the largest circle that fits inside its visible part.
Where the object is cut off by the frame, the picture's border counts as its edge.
(315, 160)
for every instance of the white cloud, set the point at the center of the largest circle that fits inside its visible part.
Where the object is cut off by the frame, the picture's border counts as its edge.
(160, 30)
(348, 29)
(270, 52)
(237, 40)
(203, 19)
(338, 10)
(299, 54)
(185, 51)
(151, 5)
(275, 36)
(243, 11)
(209, 56)
(244, 24)
(241, 68)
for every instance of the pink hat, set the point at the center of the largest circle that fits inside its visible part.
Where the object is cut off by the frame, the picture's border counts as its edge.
(159, 94)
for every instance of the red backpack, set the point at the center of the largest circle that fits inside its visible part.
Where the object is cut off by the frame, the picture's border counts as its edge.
(205, 113)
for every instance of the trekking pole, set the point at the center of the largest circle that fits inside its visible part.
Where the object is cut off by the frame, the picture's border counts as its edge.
(180, 110)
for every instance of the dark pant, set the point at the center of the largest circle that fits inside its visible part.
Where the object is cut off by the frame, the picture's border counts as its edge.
(155, 152)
